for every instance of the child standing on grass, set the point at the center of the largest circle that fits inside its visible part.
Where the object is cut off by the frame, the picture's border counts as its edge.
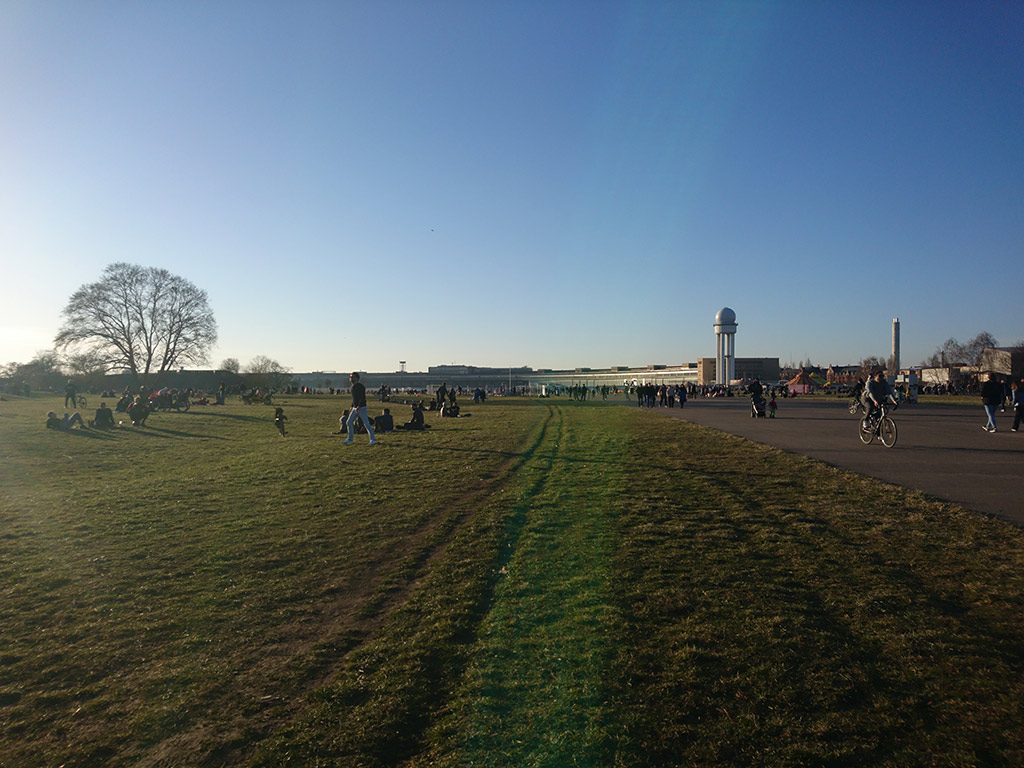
(279, 420)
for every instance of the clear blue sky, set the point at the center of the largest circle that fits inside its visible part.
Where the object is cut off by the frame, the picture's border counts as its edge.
(552, 184)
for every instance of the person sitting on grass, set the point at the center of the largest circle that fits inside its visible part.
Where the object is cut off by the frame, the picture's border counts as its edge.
(104, 418)
(138, 412)
(453, 411)
(417, 422)
(385, 422)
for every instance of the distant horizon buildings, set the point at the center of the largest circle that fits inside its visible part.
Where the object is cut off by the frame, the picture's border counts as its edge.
(723, 369)
(702, 372)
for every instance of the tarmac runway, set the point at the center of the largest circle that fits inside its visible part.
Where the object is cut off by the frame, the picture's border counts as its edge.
(941, 450)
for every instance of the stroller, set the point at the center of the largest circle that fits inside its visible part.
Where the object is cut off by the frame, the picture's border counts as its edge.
(757, 407)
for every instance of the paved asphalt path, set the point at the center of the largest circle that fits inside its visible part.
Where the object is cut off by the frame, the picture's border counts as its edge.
(940, 450)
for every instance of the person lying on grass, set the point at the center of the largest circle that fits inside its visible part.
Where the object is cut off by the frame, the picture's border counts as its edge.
(66, 423)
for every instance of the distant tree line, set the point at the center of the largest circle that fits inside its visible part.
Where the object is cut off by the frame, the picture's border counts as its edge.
(952, 352)
(49, 370)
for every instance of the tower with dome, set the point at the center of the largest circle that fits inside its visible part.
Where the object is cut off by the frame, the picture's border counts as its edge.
(725, 338)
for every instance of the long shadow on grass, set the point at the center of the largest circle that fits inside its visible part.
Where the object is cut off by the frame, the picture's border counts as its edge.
(91, 434)
(235, 416)
(169, 433)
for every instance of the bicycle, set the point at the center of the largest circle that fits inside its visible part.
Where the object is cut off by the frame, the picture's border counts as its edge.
(879, 425)
(856, 405)
(82, 402)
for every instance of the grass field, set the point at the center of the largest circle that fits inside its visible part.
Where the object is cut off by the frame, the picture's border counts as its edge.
(543, 584)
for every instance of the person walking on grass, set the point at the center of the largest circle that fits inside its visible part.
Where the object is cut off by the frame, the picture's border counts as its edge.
(358, 410)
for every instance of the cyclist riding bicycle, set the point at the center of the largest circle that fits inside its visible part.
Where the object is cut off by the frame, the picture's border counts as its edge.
(858, 390)
(875, 394)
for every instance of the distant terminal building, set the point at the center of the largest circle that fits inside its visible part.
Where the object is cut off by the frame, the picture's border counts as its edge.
(724, 368)
(765, 369)
(615, 377)
(522, 379)
(465, 376)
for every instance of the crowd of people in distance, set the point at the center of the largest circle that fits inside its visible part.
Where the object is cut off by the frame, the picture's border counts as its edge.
(665, 395)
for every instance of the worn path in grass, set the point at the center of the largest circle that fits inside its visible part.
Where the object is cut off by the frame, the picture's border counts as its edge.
(545, 584)
(941, 449)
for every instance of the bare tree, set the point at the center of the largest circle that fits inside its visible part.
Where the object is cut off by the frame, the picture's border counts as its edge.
(231, 365)
(263, 372)
(88, 365)
(976, 347)
(141, 320)
(869, 365)
(952, 352)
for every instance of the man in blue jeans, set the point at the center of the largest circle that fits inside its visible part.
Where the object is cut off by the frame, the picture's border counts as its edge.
(358, 409)
(991, 398)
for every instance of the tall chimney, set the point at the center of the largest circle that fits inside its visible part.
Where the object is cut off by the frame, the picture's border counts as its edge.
(894, 361)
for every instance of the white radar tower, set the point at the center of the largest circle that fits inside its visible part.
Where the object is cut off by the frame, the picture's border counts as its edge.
(725, 337)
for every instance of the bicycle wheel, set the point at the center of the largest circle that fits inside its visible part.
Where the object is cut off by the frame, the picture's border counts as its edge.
(887, 432)
(854, 406)
(866, 435)
(82, 401)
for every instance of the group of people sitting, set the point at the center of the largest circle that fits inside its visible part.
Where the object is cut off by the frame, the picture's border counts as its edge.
(385, 422)
(136, 408)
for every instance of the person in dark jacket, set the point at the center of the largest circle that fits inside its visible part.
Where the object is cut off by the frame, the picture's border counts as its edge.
(876, 393)
(991, 398)
(104, 418)
(1017, 400)
(358, 410)
(385, 422)
(417, 422)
